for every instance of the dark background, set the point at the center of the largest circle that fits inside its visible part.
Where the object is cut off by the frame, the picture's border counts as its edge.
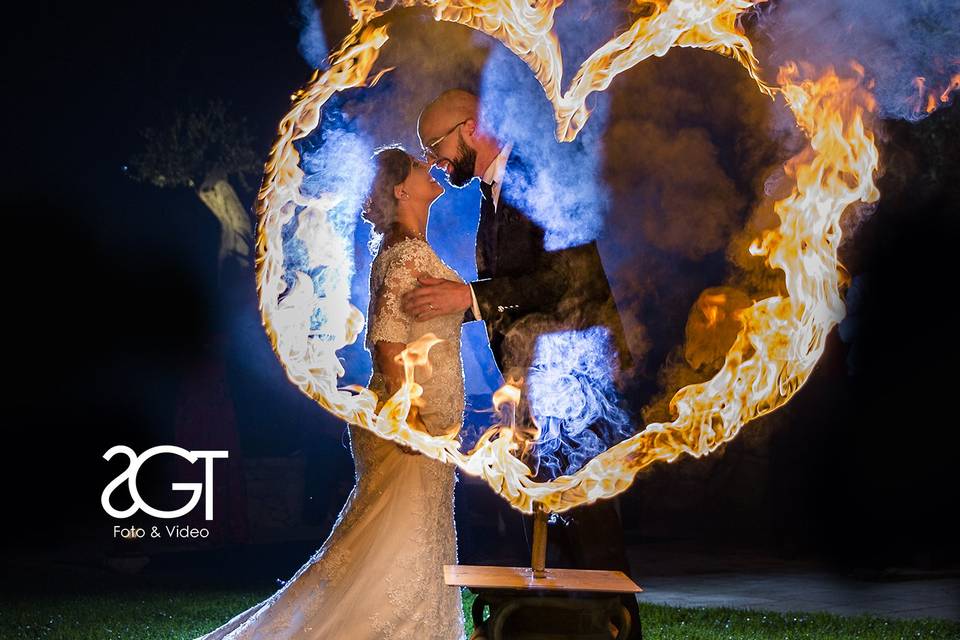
(113, 305)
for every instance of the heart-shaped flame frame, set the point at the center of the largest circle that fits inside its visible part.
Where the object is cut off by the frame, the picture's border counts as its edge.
(781, 338)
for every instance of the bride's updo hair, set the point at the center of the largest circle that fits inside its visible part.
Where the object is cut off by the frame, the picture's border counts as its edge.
(392, 165)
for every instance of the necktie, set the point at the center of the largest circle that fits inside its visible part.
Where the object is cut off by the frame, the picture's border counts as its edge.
(486, 190)
(487, 206)
(486, 233)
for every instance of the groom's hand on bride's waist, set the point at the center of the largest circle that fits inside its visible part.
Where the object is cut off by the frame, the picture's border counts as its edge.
(437, 297)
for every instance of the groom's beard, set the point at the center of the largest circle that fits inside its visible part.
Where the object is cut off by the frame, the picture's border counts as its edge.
(462, 168)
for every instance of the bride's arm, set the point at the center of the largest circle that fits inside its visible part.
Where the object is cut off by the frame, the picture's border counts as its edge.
(386, 357)
(390, 327)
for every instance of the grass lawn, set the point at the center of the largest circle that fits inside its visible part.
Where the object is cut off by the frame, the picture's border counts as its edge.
(168, 615)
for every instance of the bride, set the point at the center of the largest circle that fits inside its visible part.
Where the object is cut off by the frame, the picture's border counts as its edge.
(380, 572)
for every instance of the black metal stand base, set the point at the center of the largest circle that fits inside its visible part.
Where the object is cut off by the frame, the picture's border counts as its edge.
(535, 615)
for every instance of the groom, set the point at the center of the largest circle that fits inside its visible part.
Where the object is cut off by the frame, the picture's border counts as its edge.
(522, 291)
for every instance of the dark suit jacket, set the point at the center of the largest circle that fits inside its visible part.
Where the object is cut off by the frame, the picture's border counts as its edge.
(523, 290)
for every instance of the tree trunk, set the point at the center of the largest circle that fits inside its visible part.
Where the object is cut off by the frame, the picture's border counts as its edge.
(236, 234)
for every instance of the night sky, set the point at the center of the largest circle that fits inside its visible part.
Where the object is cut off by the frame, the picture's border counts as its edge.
(121, 276)
(114, 298)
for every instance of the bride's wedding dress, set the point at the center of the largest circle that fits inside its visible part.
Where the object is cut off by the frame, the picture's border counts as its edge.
(380, 572)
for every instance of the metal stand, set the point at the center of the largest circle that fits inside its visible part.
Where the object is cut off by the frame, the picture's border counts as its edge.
(584, 616)
(538, 555)
(536, 603)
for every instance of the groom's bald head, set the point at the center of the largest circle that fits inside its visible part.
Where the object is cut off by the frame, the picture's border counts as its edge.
(444, 113)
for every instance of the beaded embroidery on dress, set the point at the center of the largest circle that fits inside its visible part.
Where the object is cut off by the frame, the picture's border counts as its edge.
(379, 575)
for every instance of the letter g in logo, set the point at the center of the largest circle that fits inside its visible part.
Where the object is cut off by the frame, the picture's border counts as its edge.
(130, 476)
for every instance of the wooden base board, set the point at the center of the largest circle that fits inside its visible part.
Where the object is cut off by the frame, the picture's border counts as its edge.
(522, 579)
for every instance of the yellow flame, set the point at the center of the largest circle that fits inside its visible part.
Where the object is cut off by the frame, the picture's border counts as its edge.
(781, 338)
(507, 394)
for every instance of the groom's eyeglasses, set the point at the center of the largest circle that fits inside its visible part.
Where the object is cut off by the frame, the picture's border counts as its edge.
(430, 150)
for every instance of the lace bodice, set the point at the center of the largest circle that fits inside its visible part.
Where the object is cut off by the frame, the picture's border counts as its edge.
(394, 272)
(379, 575)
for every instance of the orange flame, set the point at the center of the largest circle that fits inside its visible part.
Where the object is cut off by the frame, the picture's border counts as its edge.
(929, 99)
(710, 306)
(781, 338)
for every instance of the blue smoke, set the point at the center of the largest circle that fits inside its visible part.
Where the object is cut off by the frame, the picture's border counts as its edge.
(570, 386)
(336, 161)
(573, 398)
(570, 202)
(895, 40)
(312, 46)
(560, 186)
(344, 168)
